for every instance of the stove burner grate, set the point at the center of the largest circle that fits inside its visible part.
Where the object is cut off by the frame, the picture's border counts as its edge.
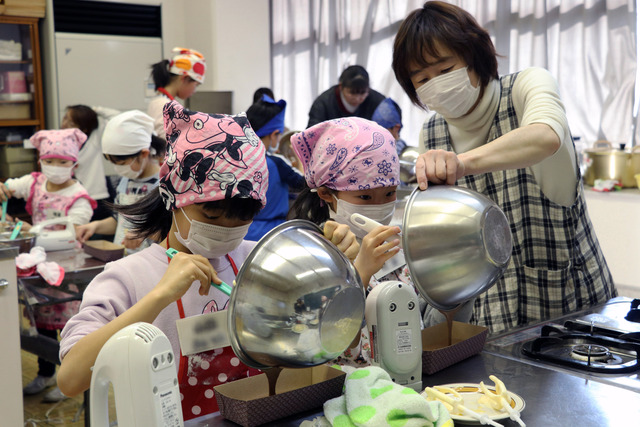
(584, 352)
(590, 352)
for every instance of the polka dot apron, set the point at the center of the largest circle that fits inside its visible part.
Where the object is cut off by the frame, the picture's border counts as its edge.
(199, 373)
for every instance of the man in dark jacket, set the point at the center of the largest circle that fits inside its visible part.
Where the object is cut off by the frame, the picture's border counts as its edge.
(350, 97)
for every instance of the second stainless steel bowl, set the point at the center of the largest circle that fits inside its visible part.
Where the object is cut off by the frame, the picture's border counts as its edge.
(297, 301)
(457, 243)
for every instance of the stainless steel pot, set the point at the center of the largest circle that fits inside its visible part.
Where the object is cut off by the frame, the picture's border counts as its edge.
(457, 243)
(610, 163)
(297, 301)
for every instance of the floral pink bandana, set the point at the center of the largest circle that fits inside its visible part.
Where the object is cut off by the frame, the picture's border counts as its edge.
(348, 154)
(60, 144)
(211, 157)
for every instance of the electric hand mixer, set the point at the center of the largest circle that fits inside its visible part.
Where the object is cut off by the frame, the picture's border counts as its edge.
(139, 362)
(393, 319)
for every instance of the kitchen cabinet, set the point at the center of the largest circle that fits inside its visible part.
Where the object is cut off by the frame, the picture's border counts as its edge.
(615, 219)
(35, 8)
(21, 102)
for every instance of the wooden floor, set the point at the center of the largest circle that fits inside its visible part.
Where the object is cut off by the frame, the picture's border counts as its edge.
(67, 413)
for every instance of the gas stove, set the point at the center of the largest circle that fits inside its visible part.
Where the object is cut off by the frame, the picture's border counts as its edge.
(599, 344)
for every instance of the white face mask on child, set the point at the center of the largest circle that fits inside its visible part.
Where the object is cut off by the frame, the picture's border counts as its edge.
(127, 171)
(57, 174)
(381, 213)
(209, 240)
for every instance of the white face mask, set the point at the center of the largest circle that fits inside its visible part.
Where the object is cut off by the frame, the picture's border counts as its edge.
(272, 150)
(57, 174)
(381, 213)
(452, 94)
(126, 171)
(209, 240)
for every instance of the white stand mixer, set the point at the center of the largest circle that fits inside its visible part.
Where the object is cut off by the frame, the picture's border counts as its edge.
(392, 313)
(139, 362)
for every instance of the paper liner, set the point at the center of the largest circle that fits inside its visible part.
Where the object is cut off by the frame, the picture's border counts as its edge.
(468, 340)
(254, 412)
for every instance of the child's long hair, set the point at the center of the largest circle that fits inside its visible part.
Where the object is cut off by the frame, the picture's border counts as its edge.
(308, 205)
(151, 219)
(84, 117)
(161, 75)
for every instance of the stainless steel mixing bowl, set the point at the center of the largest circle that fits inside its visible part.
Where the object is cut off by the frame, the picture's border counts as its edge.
(408, 159)
(457, 243)
(24, 241)
(297, 301)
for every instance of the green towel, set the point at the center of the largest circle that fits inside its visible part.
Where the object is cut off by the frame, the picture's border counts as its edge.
(370, 398)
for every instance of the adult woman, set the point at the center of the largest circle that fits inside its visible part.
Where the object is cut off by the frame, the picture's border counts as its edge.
(508, 138)
(175, 78)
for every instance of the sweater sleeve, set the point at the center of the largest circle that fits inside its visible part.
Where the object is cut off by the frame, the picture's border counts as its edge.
(536, 99)
(288, 174)
(80, 212)
(20, 186)
(106, 297)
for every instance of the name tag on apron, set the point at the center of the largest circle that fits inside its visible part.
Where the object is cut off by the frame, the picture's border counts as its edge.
(202, 333)
(391, 265)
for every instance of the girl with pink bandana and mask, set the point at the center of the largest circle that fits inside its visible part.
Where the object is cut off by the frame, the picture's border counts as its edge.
(53, 193)
(351, 166)
(212, 183)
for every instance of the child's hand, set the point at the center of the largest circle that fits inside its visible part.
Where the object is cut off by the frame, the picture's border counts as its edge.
(5, 193)
(184, 269)
(341, 236)
(375, 250)
(85, 231)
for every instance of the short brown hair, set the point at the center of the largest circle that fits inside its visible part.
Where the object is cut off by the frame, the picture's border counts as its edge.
(448, 25)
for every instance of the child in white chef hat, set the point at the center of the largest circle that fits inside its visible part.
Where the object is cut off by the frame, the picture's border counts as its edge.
(129, 144)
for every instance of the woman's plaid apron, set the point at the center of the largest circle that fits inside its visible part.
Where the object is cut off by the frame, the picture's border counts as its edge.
(557, 266)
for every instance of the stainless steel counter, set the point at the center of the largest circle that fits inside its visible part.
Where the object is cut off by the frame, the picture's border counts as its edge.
(551, 398)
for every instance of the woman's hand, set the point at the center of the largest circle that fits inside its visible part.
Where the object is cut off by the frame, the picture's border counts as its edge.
(341, 236)
(439, 167)
(184, 269)
(376, 250)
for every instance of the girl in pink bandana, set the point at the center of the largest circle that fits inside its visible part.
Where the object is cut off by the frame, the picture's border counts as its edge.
(351, 166)
(50, 194)
(212, 183)
(53, 193)
(178, 77)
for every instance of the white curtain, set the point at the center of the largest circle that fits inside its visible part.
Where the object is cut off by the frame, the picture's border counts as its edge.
(589, 46)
